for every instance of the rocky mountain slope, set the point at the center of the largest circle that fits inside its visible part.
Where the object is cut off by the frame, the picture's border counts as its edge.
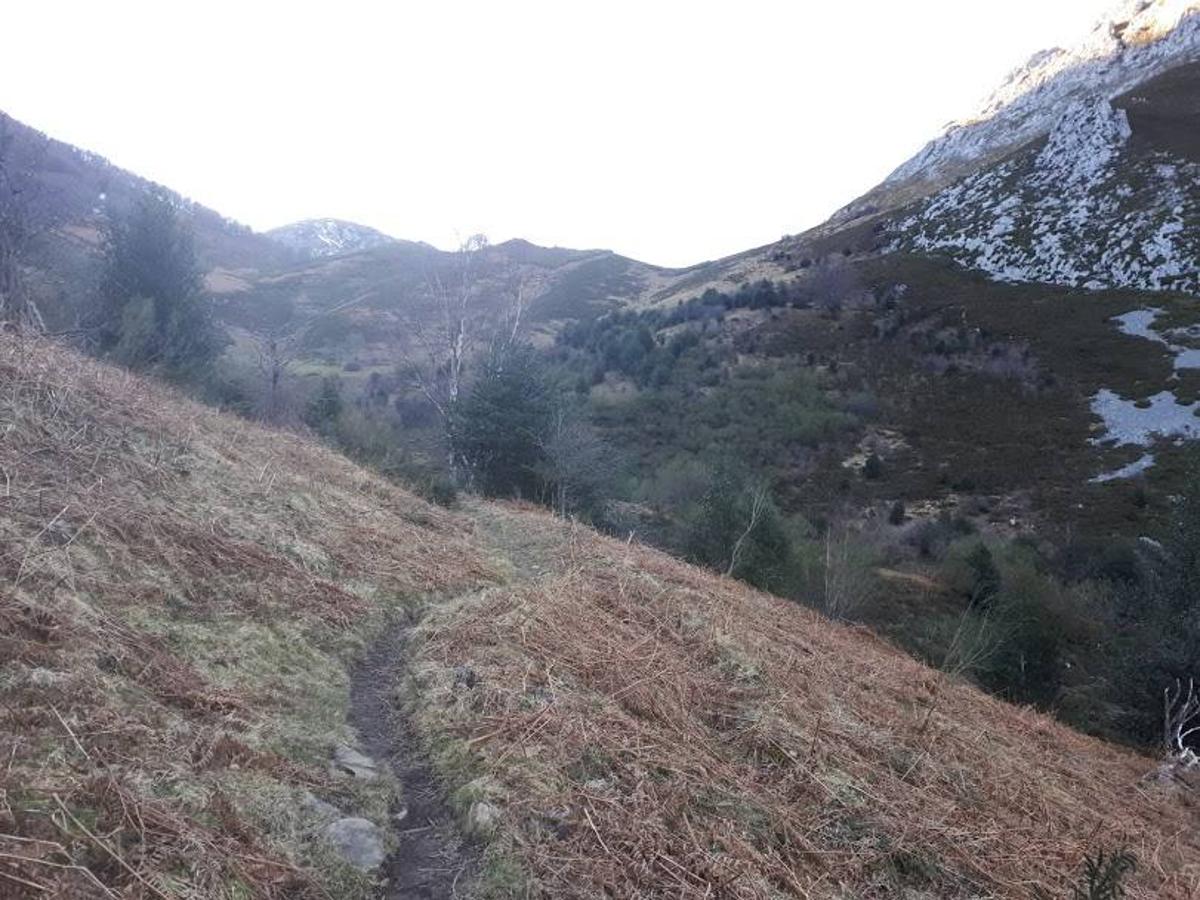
(185, 594)
(315, 238)
(1135, 41)
(1107, 200)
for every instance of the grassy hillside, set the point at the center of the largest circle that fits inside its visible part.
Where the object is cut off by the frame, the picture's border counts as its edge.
(184, 595)
(651, 730)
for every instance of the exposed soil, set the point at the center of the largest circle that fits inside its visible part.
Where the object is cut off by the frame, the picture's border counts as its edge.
(431, 861)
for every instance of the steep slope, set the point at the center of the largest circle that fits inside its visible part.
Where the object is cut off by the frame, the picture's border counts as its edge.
(315, 238)
(185, 593)
(645, 729)
(74, 191)
(1110, 199)
(182, 597)
(80, 187)
(1135, 41)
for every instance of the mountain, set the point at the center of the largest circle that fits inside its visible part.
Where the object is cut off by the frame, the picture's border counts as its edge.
(353, 307)
(1135, 41)
(962, 413)
(79, 191)
(315, 238)
(1003, 273)
(1111, 198)
(1078, 175)
(205, 654)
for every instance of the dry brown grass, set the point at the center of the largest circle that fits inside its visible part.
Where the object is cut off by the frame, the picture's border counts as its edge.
(654, 731)
(180, 595)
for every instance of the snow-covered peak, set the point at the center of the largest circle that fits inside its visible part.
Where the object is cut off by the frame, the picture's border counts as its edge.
(1134, 41)
(328, 237)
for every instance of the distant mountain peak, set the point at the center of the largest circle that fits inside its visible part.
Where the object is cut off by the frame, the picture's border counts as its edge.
(317, 238)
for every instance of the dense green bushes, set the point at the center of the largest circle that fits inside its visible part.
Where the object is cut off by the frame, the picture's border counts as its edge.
(738, 530)
(1092, 634)
(498, 428)
(151, 312)
(765, 417)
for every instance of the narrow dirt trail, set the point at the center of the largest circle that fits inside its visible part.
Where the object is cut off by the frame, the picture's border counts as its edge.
(431, 859)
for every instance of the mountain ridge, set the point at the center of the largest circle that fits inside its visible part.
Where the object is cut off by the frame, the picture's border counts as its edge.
(1135, 41)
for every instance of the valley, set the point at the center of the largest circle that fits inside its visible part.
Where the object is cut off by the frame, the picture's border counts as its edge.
(863, 564)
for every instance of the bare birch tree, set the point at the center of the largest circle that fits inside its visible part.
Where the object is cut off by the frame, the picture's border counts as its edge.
(1181, 719)
(277, 351)
(455, 327)
(445, 338)
(760, 496)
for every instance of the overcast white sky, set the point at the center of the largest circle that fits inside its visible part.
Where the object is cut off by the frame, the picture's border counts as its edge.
(670, 131)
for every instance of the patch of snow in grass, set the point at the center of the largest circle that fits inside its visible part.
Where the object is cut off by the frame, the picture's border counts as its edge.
(1137, 467)
(1140, 323)
(1125, 422)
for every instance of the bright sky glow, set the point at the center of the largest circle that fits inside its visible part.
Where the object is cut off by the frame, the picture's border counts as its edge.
(669, 131)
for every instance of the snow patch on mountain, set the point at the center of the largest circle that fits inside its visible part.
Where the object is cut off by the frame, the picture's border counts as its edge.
(1140, 323)
(1078, 212)
(1142, 464)
(1142, 422)
(1134, 41)
(317, 238)
(1088, 138)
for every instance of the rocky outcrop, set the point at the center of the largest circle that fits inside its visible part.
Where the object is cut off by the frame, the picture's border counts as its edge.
(1133, 42)
(348, 761)
(357, 841)
(1080, 211)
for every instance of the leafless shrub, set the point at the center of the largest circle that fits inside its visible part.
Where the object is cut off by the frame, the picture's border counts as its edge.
(277, 351)
(834, 284)
(848, 583)
(975, 640)
(1181, 717)
(578, 464)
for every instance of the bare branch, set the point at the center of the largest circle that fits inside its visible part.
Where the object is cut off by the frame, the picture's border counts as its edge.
(1181, 716)
(758, 505)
